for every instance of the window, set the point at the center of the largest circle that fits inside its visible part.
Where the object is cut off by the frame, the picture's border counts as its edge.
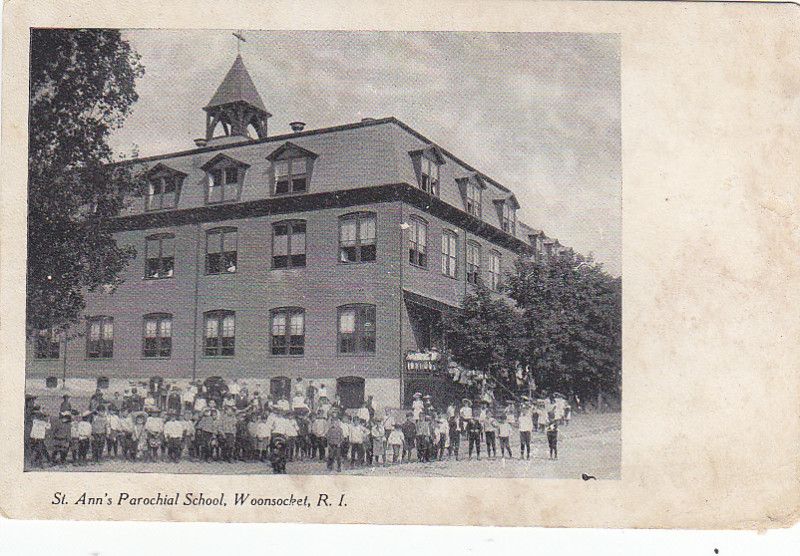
(509, 218)
(474, 193)
(157, 335)
(427, 165)
(495, 265)
(357, 237)
(291, 176)
(47, 344)
(163, 187)
(100, 338)
(159, 256)
(288, 331)
(357, 329)
(473, 262)
(289, 244)
(221, 251)
(162, 192)
(449, 253)
(51, 382)
(223, 185)
(418, 242)
(429, 176)
(220, 333)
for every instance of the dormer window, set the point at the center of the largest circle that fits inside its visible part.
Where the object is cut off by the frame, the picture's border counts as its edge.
(427, 164)
(509, 218)
(474, 199)
(291, 169)
(429, 177)
(163, 189)
(291, 176)
(507, 213)
(225, 176)
(472, 187)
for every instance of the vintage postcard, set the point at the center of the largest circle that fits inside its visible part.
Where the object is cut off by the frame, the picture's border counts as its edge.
(398, 265)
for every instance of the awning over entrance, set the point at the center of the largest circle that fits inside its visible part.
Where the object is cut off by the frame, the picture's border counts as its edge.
(417, 299)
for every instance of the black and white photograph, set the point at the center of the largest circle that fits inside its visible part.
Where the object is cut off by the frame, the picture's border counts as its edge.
(324, 252)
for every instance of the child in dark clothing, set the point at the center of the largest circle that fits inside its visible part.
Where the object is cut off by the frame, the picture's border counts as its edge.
(474, 436)
(552, 439)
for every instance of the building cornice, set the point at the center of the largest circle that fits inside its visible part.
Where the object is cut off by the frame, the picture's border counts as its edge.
(317, 201)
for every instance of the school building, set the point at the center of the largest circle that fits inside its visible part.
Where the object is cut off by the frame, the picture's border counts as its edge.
(324, 255)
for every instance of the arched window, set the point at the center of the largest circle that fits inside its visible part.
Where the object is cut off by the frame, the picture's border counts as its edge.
(100, 338)
(289, 244)
(495, 270)
(357, 237)
(449, 253)
(473, 262)
(221, 250)
(159, 256)
(157, 335)
(356, 328)
(220, 333)
(288, 331)
(418, 242)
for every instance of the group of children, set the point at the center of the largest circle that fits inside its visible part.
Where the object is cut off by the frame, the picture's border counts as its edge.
(240, 428)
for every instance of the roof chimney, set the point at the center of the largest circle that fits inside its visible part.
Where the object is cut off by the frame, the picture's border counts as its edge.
(297, 127)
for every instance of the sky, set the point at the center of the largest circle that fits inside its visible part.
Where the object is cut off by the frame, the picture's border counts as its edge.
(538, 112)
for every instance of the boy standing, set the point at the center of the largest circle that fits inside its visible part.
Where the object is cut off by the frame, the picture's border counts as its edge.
(62, 437)
(504, 433)
(525, 428)
(397, 442)
(173, 433)
(99, 433)
(334, 437)
(409, 435)
(489, 432)
(552, 438)
(474, 436)
(39, 429)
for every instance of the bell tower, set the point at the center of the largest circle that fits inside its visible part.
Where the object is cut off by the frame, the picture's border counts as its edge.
(236, 105)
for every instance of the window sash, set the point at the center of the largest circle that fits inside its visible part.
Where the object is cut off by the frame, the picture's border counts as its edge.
(160, 256)
(429, 171)
(474, 199)
(220, 334)
(356, 329)
(357, 238)
(289, 244)
(162, 193)
(473, 263)
(224, 184)
(449, 254)
(221, 251)
(288, 332)
(494, 271)
(157, 336)
(418, 240)
(100, 338)
(291, 175)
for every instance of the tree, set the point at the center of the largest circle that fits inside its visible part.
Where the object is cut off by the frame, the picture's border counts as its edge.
(484, 336)
(82, 86)
(571, 324)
